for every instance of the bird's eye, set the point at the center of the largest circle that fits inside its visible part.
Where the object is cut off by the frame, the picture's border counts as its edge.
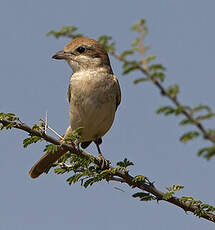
(81, 49)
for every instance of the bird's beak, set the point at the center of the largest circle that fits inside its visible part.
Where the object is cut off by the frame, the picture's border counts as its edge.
(61, 55)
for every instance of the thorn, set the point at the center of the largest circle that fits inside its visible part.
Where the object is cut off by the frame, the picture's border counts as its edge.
(48, 127)
(46, 122)
(151, 183)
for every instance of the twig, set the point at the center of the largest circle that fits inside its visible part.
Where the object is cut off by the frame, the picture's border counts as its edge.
(123, 177)
(164, 92)
(48, 127)
(46, 121)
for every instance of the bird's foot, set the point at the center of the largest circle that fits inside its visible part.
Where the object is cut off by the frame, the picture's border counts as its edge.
(76, 142)
(104, 164)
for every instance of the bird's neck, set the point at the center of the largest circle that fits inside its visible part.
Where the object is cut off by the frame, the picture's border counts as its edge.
(97, 70)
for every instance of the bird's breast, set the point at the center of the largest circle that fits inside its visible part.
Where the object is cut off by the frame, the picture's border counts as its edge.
(92, 104)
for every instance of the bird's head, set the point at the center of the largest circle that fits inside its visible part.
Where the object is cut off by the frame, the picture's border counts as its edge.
(84, 54)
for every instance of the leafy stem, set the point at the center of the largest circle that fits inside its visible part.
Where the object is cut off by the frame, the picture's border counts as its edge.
(87, 170)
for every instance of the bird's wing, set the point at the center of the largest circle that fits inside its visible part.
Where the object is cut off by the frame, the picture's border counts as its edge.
(118, 91)
(69, 93)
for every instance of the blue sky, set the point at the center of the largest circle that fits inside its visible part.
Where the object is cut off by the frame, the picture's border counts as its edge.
(182, 36)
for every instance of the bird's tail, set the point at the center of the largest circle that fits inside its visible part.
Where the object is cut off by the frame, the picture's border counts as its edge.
(47, 159)
(45, 162)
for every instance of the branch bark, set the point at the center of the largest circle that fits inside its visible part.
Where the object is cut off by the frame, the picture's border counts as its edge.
(121, 177)
(143, 68)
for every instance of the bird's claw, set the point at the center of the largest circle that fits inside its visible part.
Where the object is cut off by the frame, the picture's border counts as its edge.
(104, 164)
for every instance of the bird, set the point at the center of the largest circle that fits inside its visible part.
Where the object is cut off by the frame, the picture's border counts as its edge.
(94, 95)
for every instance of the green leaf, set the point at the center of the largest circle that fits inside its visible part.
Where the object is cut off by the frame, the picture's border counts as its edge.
(130, 66)
(202, 209)
(181, 108)
(171, 191)
(168, 195)
(2, 115)
(200, 108)
(186, 122)
(144, 196)
(9, 126)
(63, 159)
(156, 67)
(118, 169)
(207, 152)
(127, 52)
(78, 161)
(107, 43)
(75, 134)
(211, 132)
(204, 117)
(75, 178)
(189, 136)
(130, 69)
(156, 71)
(166, 110)
(175, 187)
(143, 79)
(125, 163)
(88, 182)
(65, 31)
(150, 58)
(35, 127)
(60, 170)
(140, 26)
(8, 117)
(140, 179)
(135, 43)
(163, 109)
(10, 114)
(159, 75)
(142, 22)
(187, 198)
(31, 140)
(51, 148)
(173, 90)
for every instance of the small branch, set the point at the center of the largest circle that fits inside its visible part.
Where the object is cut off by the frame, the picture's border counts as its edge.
(159, 195)
(48, 127)
(177, 103)
(122, 177)
(46, 121)
(32, 132)
(164, 92)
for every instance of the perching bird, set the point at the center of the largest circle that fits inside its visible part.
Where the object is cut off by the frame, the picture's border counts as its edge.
(94, 95)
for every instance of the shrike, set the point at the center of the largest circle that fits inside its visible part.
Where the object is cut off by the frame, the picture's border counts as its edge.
(94, 95)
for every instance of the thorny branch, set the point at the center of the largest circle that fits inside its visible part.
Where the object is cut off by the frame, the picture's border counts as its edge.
(122, 177)
(144, 69)
(125, 177)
